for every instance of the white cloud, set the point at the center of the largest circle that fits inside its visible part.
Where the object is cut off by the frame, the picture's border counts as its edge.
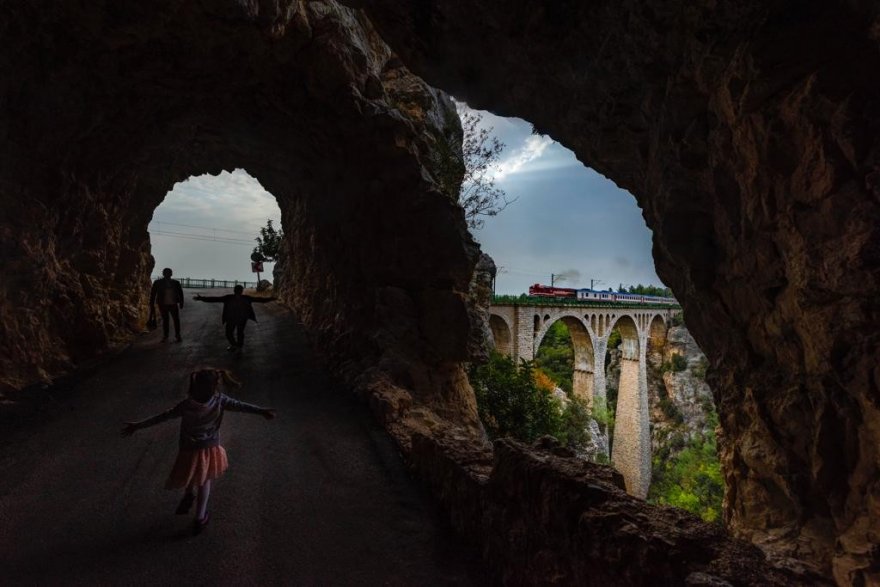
(532, 149)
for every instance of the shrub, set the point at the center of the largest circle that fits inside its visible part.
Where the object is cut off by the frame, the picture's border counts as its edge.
(700, 367)
(543, 381)
(692, 478)
(513, 401)
(574, 431)
(678, 363)
(670, 410)
(614, 339)
(510, 403)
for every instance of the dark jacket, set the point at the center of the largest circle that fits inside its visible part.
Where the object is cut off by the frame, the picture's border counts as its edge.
(200, 425)
(157, 293)
(236, 308)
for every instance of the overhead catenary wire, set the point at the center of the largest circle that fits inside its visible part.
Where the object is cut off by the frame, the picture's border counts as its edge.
(155, 229)
(211, 228)
(225, 241)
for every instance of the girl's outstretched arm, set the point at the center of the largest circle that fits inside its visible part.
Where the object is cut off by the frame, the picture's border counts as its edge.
(130, 427)
(234, 405)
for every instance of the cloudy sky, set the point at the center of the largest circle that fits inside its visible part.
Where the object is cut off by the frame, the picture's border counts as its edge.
(566, 218)
(205, 227)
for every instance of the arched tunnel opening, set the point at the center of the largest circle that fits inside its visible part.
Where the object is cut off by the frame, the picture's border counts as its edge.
(756, 170)
(206, 228)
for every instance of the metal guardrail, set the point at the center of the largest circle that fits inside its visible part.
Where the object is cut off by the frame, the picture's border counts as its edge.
(189, 282)
(546, 301)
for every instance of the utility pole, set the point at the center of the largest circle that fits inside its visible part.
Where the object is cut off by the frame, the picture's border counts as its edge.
(552, 280)
(594, 281)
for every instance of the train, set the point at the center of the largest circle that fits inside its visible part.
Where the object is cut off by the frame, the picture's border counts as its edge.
(547, 291)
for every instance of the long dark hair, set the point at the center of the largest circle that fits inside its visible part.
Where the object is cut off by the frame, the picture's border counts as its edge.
(203, 383)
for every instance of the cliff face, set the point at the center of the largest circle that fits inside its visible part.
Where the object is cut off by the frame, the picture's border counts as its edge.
(748, 131)
(680, 399)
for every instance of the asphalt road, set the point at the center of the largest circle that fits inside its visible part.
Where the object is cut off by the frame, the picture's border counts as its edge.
(318, 496)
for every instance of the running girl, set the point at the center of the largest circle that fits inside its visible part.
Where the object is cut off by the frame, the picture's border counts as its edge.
(201, 459)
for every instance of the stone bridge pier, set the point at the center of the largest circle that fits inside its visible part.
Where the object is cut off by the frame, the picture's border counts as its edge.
(519, 328)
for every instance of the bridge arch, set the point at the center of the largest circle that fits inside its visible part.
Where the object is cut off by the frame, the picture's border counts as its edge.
(584, 355)
(502, 334)
(656, 331)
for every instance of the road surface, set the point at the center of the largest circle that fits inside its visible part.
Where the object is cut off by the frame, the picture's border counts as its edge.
(318, 496)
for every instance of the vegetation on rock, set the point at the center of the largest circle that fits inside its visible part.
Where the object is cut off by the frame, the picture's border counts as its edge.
(676, 364)
(513, 401)
(687, 473)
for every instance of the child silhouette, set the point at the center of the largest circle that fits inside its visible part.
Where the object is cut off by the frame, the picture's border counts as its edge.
(201, 459)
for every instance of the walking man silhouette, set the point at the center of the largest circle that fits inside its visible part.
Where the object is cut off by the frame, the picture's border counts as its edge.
(237, 310)
(169, 295)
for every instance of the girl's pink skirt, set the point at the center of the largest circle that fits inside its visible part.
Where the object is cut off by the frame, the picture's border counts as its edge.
(195, 466)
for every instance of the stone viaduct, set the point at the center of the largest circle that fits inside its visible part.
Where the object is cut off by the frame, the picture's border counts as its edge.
(518, 327)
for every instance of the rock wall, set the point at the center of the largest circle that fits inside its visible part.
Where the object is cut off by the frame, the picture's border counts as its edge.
(749, 132)
(680, 401)
(543, 516)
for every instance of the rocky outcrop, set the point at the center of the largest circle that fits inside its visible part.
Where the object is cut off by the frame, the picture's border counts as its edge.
(748, 131)
(543, 516)
(680, 399)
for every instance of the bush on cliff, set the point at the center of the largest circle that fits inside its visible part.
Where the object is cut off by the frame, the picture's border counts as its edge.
(511, 403)
(517, 401)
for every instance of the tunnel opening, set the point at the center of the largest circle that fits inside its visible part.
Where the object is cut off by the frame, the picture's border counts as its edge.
(206, 226)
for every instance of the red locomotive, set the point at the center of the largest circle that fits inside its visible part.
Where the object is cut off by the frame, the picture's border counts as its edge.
(545, 291)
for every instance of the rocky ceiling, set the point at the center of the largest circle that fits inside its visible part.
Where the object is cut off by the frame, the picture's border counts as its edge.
(747, 130)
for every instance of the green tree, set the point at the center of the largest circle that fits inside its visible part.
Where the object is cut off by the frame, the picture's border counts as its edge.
(467, 171)
(647, 290)
(510, 403)
(573, 430)
(269, 242)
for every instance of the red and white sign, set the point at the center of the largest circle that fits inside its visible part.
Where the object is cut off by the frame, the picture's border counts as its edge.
(256, 267)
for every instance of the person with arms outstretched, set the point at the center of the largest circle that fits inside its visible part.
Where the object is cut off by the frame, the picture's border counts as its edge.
(200, 459)
(169, 295)
(237, 310)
